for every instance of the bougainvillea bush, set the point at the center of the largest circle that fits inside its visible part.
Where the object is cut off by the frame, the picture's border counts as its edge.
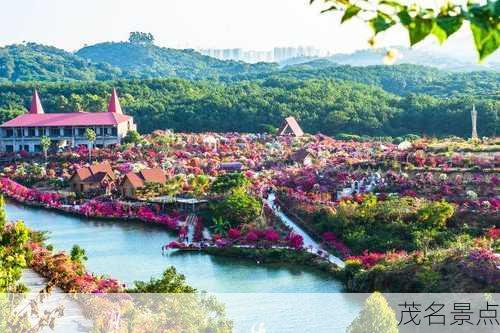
(69, 275)
(444, 270)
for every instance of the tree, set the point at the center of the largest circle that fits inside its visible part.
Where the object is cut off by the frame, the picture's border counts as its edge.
(375, 317)
(141, 38)
(91, 137)
(239, 208)
(78, 254)
(45, 142)
(3, 215)
(132, 137)
(199, 184)
(229, 182)
(170, 282)
(442, 20)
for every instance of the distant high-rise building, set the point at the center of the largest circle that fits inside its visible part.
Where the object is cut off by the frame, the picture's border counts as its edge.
(278, 54)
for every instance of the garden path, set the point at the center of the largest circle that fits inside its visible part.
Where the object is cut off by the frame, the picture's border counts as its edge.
(310, 244)
(73, 319)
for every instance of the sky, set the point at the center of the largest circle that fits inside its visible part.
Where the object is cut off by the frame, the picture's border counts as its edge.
(248, 24)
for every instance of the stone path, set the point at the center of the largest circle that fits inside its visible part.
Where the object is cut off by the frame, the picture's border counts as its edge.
(73, 319)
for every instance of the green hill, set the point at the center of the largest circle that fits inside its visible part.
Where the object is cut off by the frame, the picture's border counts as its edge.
(149, 61)
(110, 61)
(35, 62)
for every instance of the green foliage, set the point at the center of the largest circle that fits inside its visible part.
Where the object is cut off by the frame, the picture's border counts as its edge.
(3, 215)
(375, 317)
(13, 253)
(141, 38)
(238, 208)
(422, 21)
(78, 254)
(395, 223)
(90, 135)
(170, 282)
(229, 182)
(199, 184)
(45, 143)
(136, 59)
(319, 102)
(132, 137)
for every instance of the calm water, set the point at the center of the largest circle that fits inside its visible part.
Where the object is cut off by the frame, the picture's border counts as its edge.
(132, 251)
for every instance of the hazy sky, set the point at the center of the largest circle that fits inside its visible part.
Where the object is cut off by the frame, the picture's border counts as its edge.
(250, 24)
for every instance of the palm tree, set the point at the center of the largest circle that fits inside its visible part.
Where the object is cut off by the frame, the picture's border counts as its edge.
(220, 225)
(45, 143)
(199, 185)
(91, 137)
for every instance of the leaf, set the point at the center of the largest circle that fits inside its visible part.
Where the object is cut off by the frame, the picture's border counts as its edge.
(381, 22)
(404, 17)
(486, 39)
(351, 11)
(449, 24)
(329, 9)
(440, 34)
(419, 28)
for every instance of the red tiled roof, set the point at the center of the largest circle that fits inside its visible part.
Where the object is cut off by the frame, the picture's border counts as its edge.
(134, 179)
(67, 119)
(96, 172)
(154, 175)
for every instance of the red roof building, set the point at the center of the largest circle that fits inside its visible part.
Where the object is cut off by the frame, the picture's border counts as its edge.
(65, 129)
(136, 180)
(96, 177)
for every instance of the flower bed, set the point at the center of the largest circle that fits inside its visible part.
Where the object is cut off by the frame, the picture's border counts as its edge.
(67, 274)
(93, 208)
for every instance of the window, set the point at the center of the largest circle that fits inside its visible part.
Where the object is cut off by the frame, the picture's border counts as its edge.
(9, 148)
(54, 132)
(9, 132)
(26, 148)
(31, 131)
(68, 131)
(38, 148)
(19, 132)
(81, 132)
(114, 131)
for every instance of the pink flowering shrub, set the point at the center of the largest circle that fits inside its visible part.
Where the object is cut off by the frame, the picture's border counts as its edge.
(67, 274)
(234, 233)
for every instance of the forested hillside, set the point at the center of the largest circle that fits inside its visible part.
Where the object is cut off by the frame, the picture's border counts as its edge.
(150, 61)
(199, 93)
(321, 105)
(108, 61)
(35, 62)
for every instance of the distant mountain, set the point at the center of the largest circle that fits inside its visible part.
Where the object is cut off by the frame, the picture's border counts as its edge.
(110, 61)
(35, 62)
(148, 61)
(374, 57)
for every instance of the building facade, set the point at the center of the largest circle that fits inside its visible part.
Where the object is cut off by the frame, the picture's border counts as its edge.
(64, 129)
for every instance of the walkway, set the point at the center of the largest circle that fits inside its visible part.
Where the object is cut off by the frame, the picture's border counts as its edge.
(309, 243)
(73, 319)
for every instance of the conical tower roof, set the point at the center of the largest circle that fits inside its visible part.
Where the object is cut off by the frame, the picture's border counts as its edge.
(36, 104)
(114, 104)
